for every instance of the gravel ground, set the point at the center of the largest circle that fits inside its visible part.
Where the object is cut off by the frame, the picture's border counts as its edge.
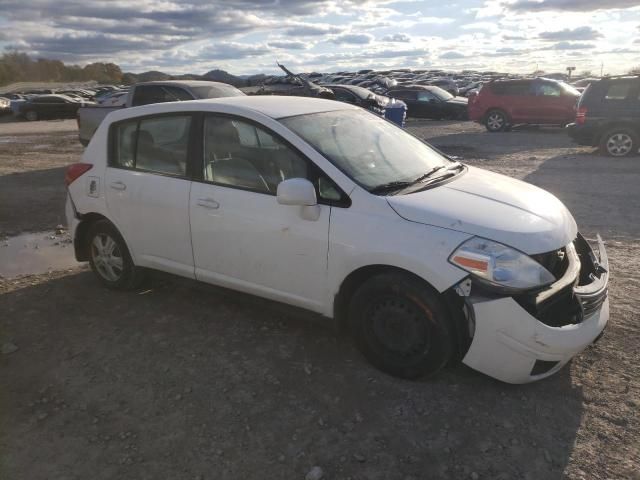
(183, 380)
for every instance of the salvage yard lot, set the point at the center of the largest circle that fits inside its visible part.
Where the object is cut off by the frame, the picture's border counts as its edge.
(182, 380)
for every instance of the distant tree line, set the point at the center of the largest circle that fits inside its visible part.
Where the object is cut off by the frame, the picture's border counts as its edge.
(20, 67)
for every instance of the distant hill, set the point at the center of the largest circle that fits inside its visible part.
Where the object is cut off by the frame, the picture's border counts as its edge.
(225, 77)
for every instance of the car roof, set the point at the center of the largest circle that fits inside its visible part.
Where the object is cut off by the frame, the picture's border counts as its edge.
(184, 83)
(274, 106)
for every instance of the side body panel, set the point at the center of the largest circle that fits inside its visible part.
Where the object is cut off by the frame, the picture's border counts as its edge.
(371, 233)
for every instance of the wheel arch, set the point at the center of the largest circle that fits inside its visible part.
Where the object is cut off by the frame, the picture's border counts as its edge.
(488, 110)
(621, 124)
(452, 301)
(79, 240)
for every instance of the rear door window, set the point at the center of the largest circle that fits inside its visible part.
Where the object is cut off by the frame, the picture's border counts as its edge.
(344, 95)
(511, 88)
(153, 144)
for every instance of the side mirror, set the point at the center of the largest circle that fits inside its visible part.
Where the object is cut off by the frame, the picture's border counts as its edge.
(296, 191)
(301, 192)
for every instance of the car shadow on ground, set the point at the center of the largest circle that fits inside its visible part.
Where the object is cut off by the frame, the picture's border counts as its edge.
(32, 200)
(181, 379)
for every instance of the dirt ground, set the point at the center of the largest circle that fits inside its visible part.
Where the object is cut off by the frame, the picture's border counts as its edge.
(186, 381)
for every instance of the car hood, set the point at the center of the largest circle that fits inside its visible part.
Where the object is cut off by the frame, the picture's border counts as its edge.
(495, 207)
(458, 101)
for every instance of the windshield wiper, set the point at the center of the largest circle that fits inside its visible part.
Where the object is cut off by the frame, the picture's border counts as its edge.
(389, 187)
(401, 185)
(430, 173)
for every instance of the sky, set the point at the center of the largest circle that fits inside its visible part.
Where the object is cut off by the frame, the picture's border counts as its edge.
(249, 36)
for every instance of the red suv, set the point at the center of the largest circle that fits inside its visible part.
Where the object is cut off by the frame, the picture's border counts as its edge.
(541, 101)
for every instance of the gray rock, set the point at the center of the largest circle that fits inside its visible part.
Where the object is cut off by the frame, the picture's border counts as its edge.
(359, 458)
(315, 473)
(8, 348)
(474, 476)
(484, 446)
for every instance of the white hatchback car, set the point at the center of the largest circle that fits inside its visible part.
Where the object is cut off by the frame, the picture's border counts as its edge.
(325, 206)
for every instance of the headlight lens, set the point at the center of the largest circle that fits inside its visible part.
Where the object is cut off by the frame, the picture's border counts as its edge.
(500, 265)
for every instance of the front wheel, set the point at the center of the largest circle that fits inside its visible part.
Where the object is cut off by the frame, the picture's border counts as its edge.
(496, 121)
(619, 142)
(401, 326)
(110, 259)
(31, 116)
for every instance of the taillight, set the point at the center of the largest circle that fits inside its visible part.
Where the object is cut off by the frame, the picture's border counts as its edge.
(581, 115)
(75, 171)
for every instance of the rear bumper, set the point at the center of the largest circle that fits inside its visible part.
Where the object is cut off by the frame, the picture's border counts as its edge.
(512, 345)
(582, 135)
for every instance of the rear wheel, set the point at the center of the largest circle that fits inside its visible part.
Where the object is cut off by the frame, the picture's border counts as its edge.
(109, 257)
(401, 326)
(31, 116)
(619, 142)
(496, 121)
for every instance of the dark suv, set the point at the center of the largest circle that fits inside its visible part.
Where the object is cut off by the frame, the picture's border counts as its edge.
(608, 116)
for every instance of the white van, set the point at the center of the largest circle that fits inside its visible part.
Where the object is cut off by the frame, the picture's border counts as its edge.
(327, 207)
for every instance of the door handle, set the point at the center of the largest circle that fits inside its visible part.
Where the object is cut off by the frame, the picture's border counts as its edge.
(118, 186)
(208, 203)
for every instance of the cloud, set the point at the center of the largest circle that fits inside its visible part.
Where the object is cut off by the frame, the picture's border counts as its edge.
(396, 37)
(312, 30)
(287, 45)
(570, 5)
(452, 55)
(353, 38)
(571, 46)
(514, 37)
(580, 33)
(230, 50)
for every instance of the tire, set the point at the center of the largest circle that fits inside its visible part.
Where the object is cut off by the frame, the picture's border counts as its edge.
(496, 121)
(110, 259)
(31, 115)
(401, 326)
(619, 142)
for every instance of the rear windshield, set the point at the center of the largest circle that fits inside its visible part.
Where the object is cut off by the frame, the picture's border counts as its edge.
(440, 93)
(217, 91)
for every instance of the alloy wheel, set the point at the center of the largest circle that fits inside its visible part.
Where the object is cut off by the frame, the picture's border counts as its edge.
(495, 121)
(619, 144)
(107, 257)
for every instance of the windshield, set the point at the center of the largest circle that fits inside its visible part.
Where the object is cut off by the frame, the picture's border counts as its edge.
(367, 148)
(217, 91)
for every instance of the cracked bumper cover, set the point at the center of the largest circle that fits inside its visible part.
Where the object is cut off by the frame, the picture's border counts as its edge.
(508, 340)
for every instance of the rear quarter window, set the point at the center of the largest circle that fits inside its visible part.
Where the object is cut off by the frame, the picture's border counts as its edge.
(619, 90)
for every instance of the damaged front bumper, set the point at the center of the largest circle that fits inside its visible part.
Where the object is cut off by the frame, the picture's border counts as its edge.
(520, 340)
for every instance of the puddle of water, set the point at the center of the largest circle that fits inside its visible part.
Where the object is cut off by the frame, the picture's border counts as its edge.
(34, 253)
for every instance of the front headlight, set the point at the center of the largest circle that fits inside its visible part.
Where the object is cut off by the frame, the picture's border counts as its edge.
(499, 265)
